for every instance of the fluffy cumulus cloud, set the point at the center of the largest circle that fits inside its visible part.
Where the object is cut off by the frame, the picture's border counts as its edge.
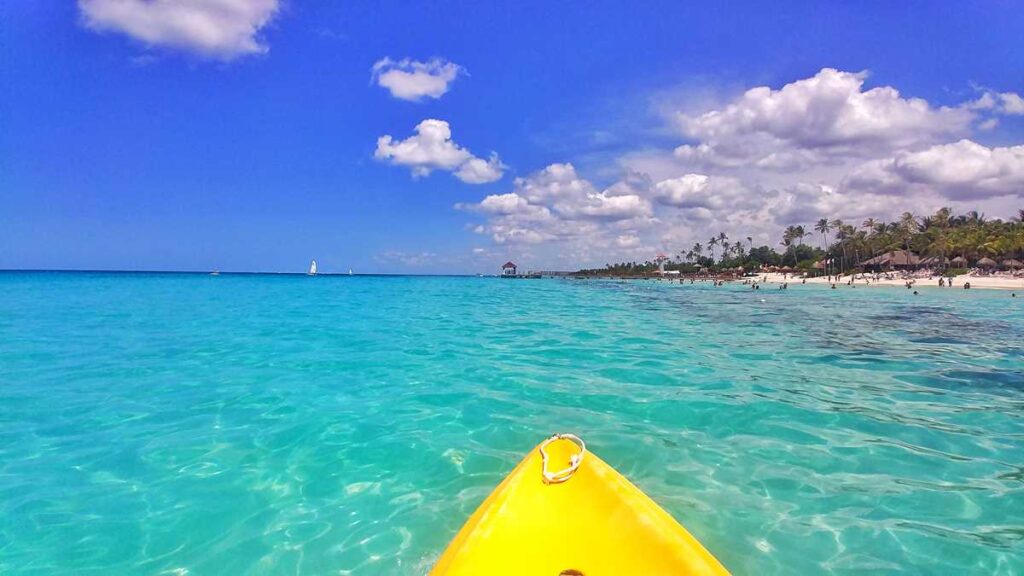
(222, 29)
(556, 204)
(432, 148)
(963, 170)
(695, 191)
(827, 146)
(817, 119)
(1005, 103)
(414, 80)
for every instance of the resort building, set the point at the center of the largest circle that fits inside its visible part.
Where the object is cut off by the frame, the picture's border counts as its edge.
(508, 269)
(892, 260)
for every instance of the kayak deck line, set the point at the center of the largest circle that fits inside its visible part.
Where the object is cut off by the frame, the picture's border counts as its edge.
(574, 460)
(589, 520)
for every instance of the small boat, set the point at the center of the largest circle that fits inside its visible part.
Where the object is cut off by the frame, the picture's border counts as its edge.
(349, 271)
(215, 273)
(312, 268)
(564, 511)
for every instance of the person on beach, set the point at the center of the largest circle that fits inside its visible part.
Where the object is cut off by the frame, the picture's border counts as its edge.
(942, 283)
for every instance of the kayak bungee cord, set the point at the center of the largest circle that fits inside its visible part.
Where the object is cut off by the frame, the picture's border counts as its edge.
(574, 461)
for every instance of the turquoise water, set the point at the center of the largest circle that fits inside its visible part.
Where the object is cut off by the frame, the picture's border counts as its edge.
(191, 424)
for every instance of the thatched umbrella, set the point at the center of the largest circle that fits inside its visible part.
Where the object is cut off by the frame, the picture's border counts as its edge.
(1012, 263)
(987, 263)
(959, 261)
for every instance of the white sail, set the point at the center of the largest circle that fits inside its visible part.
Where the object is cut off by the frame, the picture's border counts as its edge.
(312, 268)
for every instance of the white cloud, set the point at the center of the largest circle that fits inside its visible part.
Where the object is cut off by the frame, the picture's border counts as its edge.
(1012, 103)
(432, 148)
(961, 171)
(1007, 103)
(414, 80)
(819, 147)
(556, 204)
(480, 171)
(223, 29)
(810, 120)
(702, 191)
(627, 241)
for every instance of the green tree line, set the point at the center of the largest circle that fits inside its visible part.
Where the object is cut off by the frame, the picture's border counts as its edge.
(842, 246)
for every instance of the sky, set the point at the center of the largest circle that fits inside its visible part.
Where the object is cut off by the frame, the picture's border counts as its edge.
(449, 137)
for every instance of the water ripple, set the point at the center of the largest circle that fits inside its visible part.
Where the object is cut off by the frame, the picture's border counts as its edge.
(187, 424)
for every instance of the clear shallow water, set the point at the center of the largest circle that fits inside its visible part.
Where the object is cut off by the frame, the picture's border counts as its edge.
(288, 425)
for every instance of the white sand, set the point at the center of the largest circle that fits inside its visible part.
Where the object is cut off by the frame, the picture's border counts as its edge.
(999, 282)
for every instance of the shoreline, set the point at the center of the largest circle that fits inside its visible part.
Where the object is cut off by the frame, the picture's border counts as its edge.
(977, 282)
(1003, 283)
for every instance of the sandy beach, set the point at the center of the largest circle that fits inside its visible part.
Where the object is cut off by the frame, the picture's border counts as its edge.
(985, 282)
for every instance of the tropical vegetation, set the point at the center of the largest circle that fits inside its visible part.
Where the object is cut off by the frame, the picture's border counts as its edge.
(943, 239)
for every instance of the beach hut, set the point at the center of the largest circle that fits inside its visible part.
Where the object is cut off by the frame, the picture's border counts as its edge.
(987, 263)
(958, 262)
(934, 261)
(891, 260)
(508, 268)
(1013, 263)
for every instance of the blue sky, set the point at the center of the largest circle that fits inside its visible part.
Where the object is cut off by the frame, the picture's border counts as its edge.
(189, 136)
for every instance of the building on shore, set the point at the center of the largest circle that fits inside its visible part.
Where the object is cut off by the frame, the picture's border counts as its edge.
(896, 259)
(508, 268)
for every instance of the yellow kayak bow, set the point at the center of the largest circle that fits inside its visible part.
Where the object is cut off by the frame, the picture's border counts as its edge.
(564, 511)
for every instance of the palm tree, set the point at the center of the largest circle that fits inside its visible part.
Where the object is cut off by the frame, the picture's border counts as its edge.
(841, 235)
(908, 228)
(787, 241)
(800, 235)
(823, 227)
(939, 245)
(750, 239)
(869, 225)
(789, 235)
(711, 244)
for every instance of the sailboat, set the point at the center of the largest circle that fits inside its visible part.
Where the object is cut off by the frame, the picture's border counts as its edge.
(349, 271)
(312, 268)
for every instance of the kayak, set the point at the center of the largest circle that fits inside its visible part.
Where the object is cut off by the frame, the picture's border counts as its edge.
(564, 511)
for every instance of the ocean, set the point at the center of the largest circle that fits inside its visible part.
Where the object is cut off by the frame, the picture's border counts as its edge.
(283, 424)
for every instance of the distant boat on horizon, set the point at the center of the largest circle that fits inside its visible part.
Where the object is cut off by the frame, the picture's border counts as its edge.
(312, 268)
(215, 273)
(349, 271)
